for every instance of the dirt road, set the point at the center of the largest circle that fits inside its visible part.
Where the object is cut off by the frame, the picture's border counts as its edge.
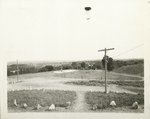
(80, 105)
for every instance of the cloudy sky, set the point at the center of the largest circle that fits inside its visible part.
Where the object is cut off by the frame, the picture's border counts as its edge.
(59, 30)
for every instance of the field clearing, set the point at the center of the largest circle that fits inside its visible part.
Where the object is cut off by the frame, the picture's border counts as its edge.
(58, 81)
(102, 83)
(98, 74)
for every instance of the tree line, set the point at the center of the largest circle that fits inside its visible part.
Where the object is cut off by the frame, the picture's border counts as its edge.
(79, 65)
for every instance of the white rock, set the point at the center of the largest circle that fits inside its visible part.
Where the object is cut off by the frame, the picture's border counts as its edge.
(38, 106)
(69, 103)
(94, 107)
(90, 90)
(52, 107)
(135, 105)
(15, 102)
(67, 107)
(117, 91)
(125, 91)
(112, 103)
(18, 89)
(25, 105)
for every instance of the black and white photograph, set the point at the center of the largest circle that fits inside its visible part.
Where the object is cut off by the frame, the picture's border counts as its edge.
(75, 57)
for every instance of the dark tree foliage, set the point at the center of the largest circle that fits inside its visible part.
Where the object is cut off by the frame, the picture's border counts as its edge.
(74, 65)
(97, 65)
(83, 64)
(109, 61)
(66, 66)
(49, 68)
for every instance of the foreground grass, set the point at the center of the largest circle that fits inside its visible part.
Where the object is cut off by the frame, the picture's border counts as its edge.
(103, 100)
(44, 98)
(100, 83)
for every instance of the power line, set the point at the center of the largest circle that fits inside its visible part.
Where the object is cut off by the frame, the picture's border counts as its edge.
(111, 54)
(129, 50)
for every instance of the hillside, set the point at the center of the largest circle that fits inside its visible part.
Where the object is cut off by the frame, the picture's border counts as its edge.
(137, 69)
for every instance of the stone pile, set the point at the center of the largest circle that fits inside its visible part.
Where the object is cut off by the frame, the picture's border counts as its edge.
(52, 107)
(68, 105)
(15, 102)
(38, 107)
(135, 105)
(94, 107)
(112, 103)
(25, 105)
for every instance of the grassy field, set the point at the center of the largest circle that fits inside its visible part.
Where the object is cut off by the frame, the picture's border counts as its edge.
(44, 98)
(101, 83)
(134, 89)
(54, 83)
(95, 74)
(121, 99)
(137, 69)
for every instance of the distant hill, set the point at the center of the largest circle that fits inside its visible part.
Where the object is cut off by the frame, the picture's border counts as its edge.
(137, 69)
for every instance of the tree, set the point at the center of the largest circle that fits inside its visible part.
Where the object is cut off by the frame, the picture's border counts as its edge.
(83, 64)
(97, 65)
(110, 65)
(49, 67)
(74, 65)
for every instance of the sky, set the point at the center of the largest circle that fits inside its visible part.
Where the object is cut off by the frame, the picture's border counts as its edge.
(54, 30)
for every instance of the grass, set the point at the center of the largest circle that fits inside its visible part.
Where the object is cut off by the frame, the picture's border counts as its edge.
(95, 74)
(134, 89)
(81, 74)
(100, 83)
(137, 69)
(121, 99)
(44, 98)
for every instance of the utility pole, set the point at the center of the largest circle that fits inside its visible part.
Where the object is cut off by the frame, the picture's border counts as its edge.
(17, 71)
(106, 66)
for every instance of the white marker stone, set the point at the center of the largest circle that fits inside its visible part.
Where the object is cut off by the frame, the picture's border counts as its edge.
(69, 103)
(67, 107)
(38, 106)
(113, 103)
(117, 91)
(90, 90)
(15, 102)
(125, 91)
(135, 105)
(25, 105)
(94, 107)
(52, 107)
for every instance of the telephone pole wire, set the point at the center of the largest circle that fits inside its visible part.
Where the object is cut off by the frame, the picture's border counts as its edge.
(106, 66)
